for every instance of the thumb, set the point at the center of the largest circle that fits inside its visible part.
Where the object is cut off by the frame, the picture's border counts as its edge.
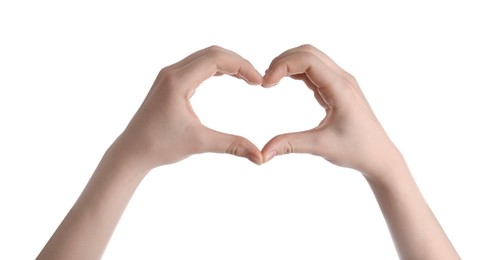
(298, 142)
(218, 142)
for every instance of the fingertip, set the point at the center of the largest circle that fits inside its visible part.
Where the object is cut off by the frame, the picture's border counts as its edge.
(245, 148)
(297, 142)
(266, 85)
(252, 78)
(254, 83)
(268, 80)
(270, 149)
(274, 74)
(269, 155)
(258, 80)
(254, 158)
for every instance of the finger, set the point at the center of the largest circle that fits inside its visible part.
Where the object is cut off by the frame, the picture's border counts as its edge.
(187, 59)
(307, 48)
(331, 63)
(217, 142)
(194, 56)
(298, 142)
(216, 61)
(313, 88)
(328, 82)
(232, 75)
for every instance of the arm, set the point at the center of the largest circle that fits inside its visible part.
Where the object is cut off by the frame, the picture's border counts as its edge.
(164, 130)
(351, 136)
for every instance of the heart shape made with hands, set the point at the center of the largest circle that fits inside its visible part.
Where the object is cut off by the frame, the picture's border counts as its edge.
(167, 110)
(345, 135)
(229, 105)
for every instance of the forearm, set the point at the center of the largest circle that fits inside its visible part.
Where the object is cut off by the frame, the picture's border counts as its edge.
(163, 131)
(86, 230)
(351, 136)
(416, 232)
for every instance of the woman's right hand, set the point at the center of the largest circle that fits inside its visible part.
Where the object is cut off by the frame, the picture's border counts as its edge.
(350, 134)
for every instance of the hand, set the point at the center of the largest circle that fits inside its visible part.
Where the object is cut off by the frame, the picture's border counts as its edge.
(165, 129)
(349, 135)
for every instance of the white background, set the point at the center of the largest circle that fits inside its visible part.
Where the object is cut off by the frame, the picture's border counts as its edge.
(73, 74)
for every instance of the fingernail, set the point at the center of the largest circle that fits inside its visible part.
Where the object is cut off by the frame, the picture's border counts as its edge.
(266, 85)
(270, 155)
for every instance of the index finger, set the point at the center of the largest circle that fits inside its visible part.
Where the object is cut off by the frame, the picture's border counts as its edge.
(215, 60)
(328, 81)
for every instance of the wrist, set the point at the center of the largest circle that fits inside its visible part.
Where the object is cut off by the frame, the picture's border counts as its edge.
(389, 171)
(122, 158)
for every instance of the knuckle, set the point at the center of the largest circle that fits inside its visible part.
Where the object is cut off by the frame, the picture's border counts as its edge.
(350, 84)
(307, 47)
(287, 146)
(168, 77)
(346, 85)
(214, 48)
(311, 58)
(215, 51)
(237, 147)
(308, 54)
(352, 80)
(232, 149)
(309, 50)
(350, 93)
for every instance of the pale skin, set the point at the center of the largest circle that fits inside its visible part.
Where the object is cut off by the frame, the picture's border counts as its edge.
(166, 130)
